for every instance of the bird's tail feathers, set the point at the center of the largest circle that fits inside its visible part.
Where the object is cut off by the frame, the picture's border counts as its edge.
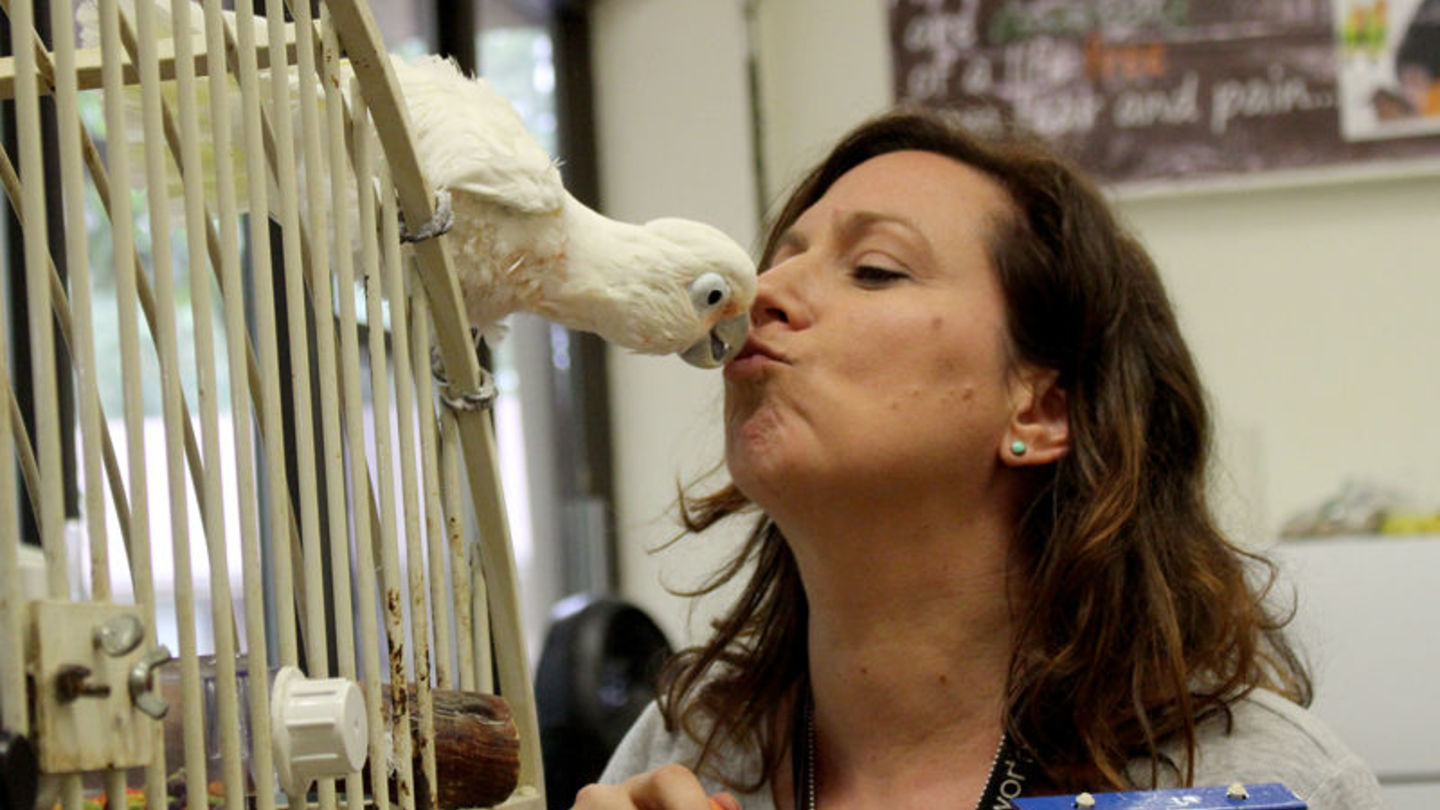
(494, 333)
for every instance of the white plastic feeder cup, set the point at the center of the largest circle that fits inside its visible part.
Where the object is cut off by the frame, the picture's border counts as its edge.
(318, 728)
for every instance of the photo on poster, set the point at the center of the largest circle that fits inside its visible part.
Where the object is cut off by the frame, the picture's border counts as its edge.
(1388, 67)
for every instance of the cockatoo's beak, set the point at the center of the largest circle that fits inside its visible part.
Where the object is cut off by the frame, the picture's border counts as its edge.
(725, 340)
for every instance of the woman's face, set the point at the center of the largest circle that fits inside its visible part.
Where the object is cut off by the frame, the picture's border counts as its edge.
(878, 360)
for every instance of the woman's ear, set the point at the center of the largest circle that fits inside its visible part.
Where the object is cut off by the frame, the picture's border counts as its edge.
(1039, 429)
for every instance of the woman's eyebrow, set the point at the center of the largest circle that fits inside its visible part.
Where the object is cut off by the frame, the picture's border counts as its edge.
(855, 224)
(855, 220)
(850, 226)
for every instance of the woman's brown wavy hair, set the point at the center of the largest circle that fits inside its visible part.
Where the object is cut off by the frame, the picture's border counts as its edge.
(1140, 618)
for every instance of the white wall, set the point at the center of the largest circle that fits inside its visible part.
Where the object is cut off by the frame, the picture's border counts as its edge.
(1312, 314)
(674, 140)
(823, 68)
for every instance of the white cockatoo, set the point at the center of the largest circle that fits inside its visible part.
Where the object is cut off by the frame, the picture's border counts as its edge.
(521, 243)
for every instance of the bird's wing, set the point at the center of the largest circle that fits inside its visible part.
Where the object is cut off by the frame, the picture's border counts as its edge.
(471, 139)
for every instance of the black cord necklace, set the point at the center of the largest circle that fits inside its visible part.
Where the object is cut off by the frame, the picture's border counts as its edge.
(1009, 773)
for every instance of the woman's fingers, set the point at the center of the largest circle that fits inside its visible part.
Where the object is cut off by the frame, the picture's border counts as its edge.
(673, 787)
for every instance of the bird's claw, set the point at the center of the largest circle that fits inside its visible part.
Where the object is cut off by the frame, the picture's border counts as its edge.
(437, 366)
(479, 399)
(437, 225)
(437, 361)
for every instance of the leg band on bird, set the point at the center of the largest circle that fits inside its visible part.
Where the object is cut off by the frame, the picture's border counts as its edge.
(471, 400)
(482, 397)
(437, 225)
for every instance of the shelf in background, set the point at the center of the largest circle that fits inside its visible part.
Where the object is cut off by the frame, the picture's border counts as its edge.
(1368, 621)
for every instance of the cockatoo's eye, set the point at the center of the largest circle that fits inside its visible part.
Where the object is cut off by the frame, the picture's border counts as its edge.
(709, 291)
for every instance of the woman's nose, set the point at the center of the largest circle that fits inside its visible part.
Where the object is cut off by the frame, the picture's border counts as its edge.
(779, 296)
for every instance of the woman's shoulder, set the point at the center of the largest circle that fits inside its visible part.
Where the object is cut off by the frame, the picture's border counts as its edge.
(1267, 738)
(649, 744)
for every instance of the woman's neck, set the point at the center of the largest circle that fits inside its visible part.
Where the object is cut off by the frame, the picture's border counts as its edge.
(909, 640)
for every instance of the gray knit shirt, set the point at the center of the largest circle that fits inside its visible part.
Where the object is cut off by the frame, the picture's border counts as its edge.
(1271, 740)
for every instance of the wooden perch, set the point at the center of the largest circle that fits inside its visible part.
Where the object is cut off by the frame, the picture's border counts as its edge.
(477, 749)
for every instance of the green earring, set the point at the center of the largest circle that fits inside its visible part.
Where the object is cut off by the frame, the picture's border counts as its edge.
(1018, 447)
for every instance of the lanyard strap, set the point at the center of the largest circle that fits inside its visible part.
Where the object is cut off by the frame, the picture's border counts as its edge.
(801, 750)
(1009, 777)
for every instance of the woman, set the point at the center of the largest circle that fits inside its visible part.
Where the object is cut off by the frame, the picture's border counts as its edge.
(984, 563)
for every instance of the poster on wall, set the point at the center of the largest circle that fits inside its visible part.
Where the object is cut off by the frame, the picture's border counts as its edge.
(1389, 74)
(1155, 91)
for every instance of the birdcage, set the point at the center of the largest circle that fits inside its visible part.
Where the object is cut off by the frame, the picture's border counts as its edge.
(253, 176)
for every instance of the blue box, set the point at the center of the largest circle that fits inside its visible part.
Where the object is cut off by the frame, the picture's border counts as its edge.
(1268, 796)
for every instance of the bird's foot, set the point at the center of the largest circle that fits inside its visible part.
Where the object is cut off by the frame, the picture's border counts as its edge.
(478, 400)
(437, 361)
(481, 398)
(437, 225)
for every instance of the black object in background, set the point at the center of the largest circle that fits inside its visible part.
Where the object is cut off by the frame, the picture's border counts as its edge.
(19, 772)
(596, 674)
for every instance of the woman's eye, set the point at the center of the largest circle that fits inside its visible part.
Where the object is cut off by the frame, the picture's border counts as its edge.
(871, 275)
